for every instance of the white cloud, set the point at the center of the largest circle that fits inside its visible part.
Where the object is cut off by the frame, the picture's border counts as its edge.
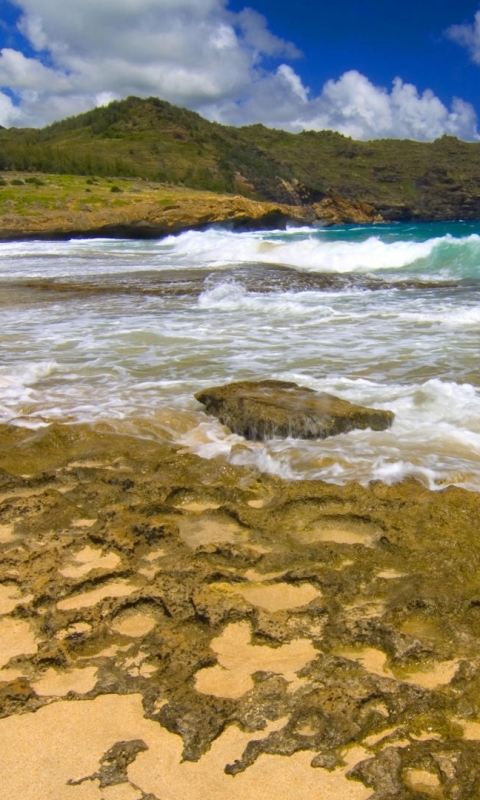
(351, 105)
(198, 54)
(467, 36)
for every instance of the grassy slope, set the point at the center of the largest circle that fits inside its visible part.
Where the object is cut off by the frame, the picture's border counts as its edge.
(154, 140)
(38, 204)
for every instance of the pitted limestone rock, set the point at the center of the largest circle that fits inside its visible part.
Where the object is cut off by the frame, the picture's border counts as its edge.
(261, 410)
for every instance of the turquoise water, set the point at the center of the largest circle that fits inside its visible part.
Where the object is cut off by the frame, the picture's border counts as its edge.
(383, 315)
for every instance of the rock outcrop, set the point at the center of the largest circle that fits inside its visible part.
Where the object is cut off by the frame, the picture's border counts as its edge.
(261, 410)
(56, 209)
(169, 623)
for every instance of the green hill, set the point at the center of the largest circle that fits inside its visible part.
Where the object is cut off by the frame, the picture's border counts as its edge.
(154, 140)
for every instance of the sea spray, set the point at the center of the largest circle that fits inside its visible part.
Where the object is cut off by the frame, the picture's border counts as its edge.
(126, 332)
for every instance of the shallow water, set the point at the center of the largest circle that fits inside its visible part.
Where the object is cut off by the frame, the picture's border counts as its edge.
(125, 332)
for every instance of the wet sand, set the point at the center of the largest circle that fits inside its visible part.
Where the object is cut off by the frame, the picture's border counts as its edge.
(169, 624)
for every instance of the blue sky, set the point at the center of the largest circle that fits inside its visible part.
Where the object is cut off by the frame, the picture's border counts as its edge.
(366, 68)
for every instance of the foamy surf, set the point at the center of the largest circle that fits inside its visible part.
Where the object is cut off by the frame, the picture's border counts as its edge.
(127, 332)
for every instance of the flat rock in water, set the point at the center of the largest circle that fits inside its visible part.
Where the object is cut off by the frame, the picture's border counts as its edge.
(261, 410)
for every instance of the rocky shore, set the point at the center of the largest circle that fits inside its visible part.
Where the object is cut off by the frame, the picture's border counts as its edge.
(176, 628)
(62, 207)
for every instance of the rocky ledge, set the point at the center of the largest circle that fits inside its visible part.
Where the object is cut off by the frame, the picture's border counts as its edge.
(61, 207)
(169, 624)
(261, 410)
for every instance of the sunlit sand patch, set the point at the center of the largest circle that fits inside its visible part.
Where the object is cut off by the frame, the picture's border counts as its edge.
(420, 780)
(83, 522)
(154, 555)
(142, 670)
(258, 577)
(261, 502)
(6, 534)
(150, 569)
(390, 574)
(135, 625)
(238, 659)
(148, 572)
(375, 738)
(209, 529)
(91, 464)
(121, 588)
(65, 741)
(438, 675)
(275, 597)
(471, 728)
(259, 548)
(7, 675)
(75, 629)
(88, 559)
(425, 736)
(344, 533)
(195, 505)
(57, 684)
(16, 639)
(270, 776)
(107, 652)
(19, 493)
(370, 658)
(11, 597)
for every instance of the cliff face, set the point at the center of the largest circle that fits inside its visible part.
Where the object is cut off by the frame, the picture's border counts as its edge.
(65, 207)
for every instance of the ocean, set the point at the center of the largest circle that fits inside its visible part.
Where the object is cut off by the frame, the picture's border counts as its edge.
(123, 333)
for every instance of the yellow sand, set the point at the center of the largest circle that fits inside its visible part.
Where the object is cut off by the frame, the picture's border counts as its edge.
(422, 781)
(6, 534)
(238, 659)
(58, 684)
(16, 639)
(88, 559)
(439, 674)
(11, 597)
(135, 625)
(276, 597)
(65, 740)
(206, 529)
(121, 588)
(370, 658)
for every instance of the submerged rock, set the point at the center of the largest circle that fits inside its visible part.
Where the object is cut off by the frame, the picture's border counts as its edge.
(260, 410)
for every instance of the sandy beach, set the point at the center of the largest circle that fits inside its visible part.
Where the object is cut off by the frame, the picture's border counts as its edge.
(172, 627)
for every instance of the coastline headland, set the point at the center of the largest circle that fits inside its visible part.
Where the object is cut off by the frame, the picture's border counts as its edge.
(64, 206)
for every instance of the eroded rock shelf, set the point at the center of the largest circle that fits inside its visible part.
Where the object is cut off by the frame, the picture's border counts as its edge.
(169, 623)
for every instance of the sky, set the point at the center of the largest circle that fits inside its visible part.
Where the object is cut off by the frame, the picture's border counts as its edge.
(366, 68)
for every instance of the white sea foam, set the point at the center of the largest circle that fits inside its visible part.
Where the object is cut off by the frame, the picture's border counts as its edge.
(305, 249)
(121, 357)
(435, 438)
(314, 251)
(232, 296)
(311, 252)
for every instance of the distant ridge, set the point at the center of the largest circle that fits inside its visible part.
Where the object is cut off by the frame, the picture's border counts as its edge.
(152, 139)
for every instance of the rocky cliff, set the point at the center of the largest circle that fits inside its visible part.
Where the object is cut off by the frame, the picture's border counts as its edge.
(67, 206)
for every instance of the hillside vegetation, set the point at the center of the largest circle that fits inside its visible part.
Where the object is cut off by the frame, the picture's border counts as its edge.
(153, 140)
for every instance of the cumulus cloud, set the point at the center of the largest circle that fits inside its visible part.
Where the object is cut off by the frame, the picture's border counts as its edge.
(198, 54)
(352, 105)
(467, 36)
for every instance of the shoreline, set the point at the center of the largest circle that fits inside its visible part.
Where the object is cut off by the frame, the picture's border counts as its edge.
(172, 620)
(60, 207)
